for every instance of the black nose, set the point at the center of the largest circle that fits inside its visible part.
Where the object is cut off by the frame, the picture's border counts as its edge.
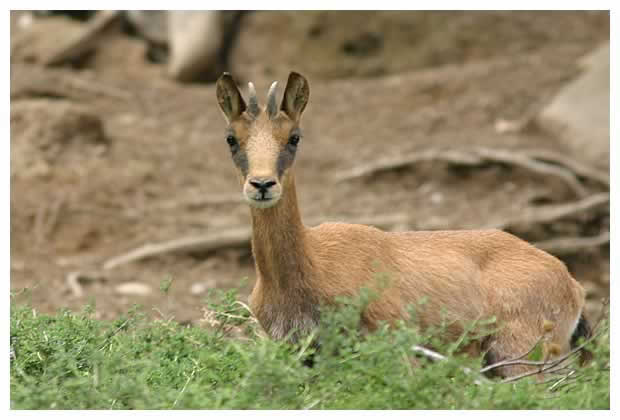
(262, 184)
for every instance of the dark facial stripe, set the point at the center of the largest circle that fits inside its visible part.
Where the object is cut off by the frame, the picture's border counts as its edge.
(241, 160)
(286, 158)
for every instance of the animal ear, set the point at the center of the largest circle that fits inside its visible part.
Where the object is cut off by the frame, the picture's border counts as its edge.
(295, 96)
(229, 98)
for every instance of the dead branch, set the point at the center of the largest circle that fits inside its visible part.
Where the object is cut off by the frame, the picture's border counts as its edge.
(538, 161)
(231, 238)
(578, 168)
(545, 366)
(388, 164)
(558, 245)
(429, 354)
(74, 284)
(238, 237)
(505, 362)
(526, 162)
(75, 279)
(553, 212)
(563, 379)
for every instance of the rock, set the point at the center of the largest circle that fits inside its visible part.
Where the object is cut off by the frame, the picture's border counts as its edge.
(133, 289)
(579, 114)
(198, 288)
(195, 39)
(18, 265)
(201, 287)
(436, 198)
(150, 24)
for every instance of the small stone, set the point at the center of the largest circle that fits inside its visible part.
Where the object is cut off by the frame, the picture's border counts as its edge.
(198, 288)
(579, 114)
(503, 126)
(18, 265)
(25, 20)
(436, 198)
(202, 287)
(134, 289)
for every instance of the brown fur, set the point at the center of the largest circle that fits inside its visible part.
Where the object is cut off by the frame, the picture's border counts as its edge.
(469, 275)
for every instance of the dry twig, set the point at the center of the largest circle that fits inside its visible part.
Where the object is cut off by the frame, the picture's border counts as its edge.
(561, 380)
(545, 366)
(437, 357)
(549, 366)
(507, 362)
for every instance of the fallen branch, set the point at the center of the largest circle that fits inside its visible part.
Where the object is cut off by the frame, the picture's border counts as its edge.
(238, 237)
(231, 238)
(577, 167)
(573, 244)
(75, 279)
(533, 165)
(538, 161)
(387, 164)
(552, 212)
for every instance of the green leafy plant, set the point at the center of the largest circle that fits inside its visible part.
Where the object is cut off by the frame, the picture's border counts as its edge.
(73, 361)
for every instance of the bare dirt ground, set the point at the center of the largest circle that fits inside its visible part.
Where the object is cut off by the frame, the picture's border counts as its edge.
(111, 155)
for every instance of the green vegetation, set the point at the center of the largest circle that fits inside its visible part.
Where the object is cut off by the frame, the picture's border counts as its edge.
(72, 361)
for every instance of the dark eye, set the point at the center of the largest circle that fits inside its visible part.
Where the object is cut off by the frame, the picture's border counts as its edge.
(231, 140)
(294, 139)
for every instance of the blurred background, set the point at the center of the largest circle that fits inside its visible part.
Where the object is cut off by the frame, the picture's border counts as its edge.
(121, 179)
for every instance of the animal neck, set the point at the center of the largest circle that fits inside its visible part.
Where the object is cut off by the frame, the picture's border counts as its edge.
(278, 240)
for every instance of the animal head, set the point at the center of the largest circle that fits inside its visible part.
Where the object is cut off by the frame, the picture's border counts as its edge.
(263, 141)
